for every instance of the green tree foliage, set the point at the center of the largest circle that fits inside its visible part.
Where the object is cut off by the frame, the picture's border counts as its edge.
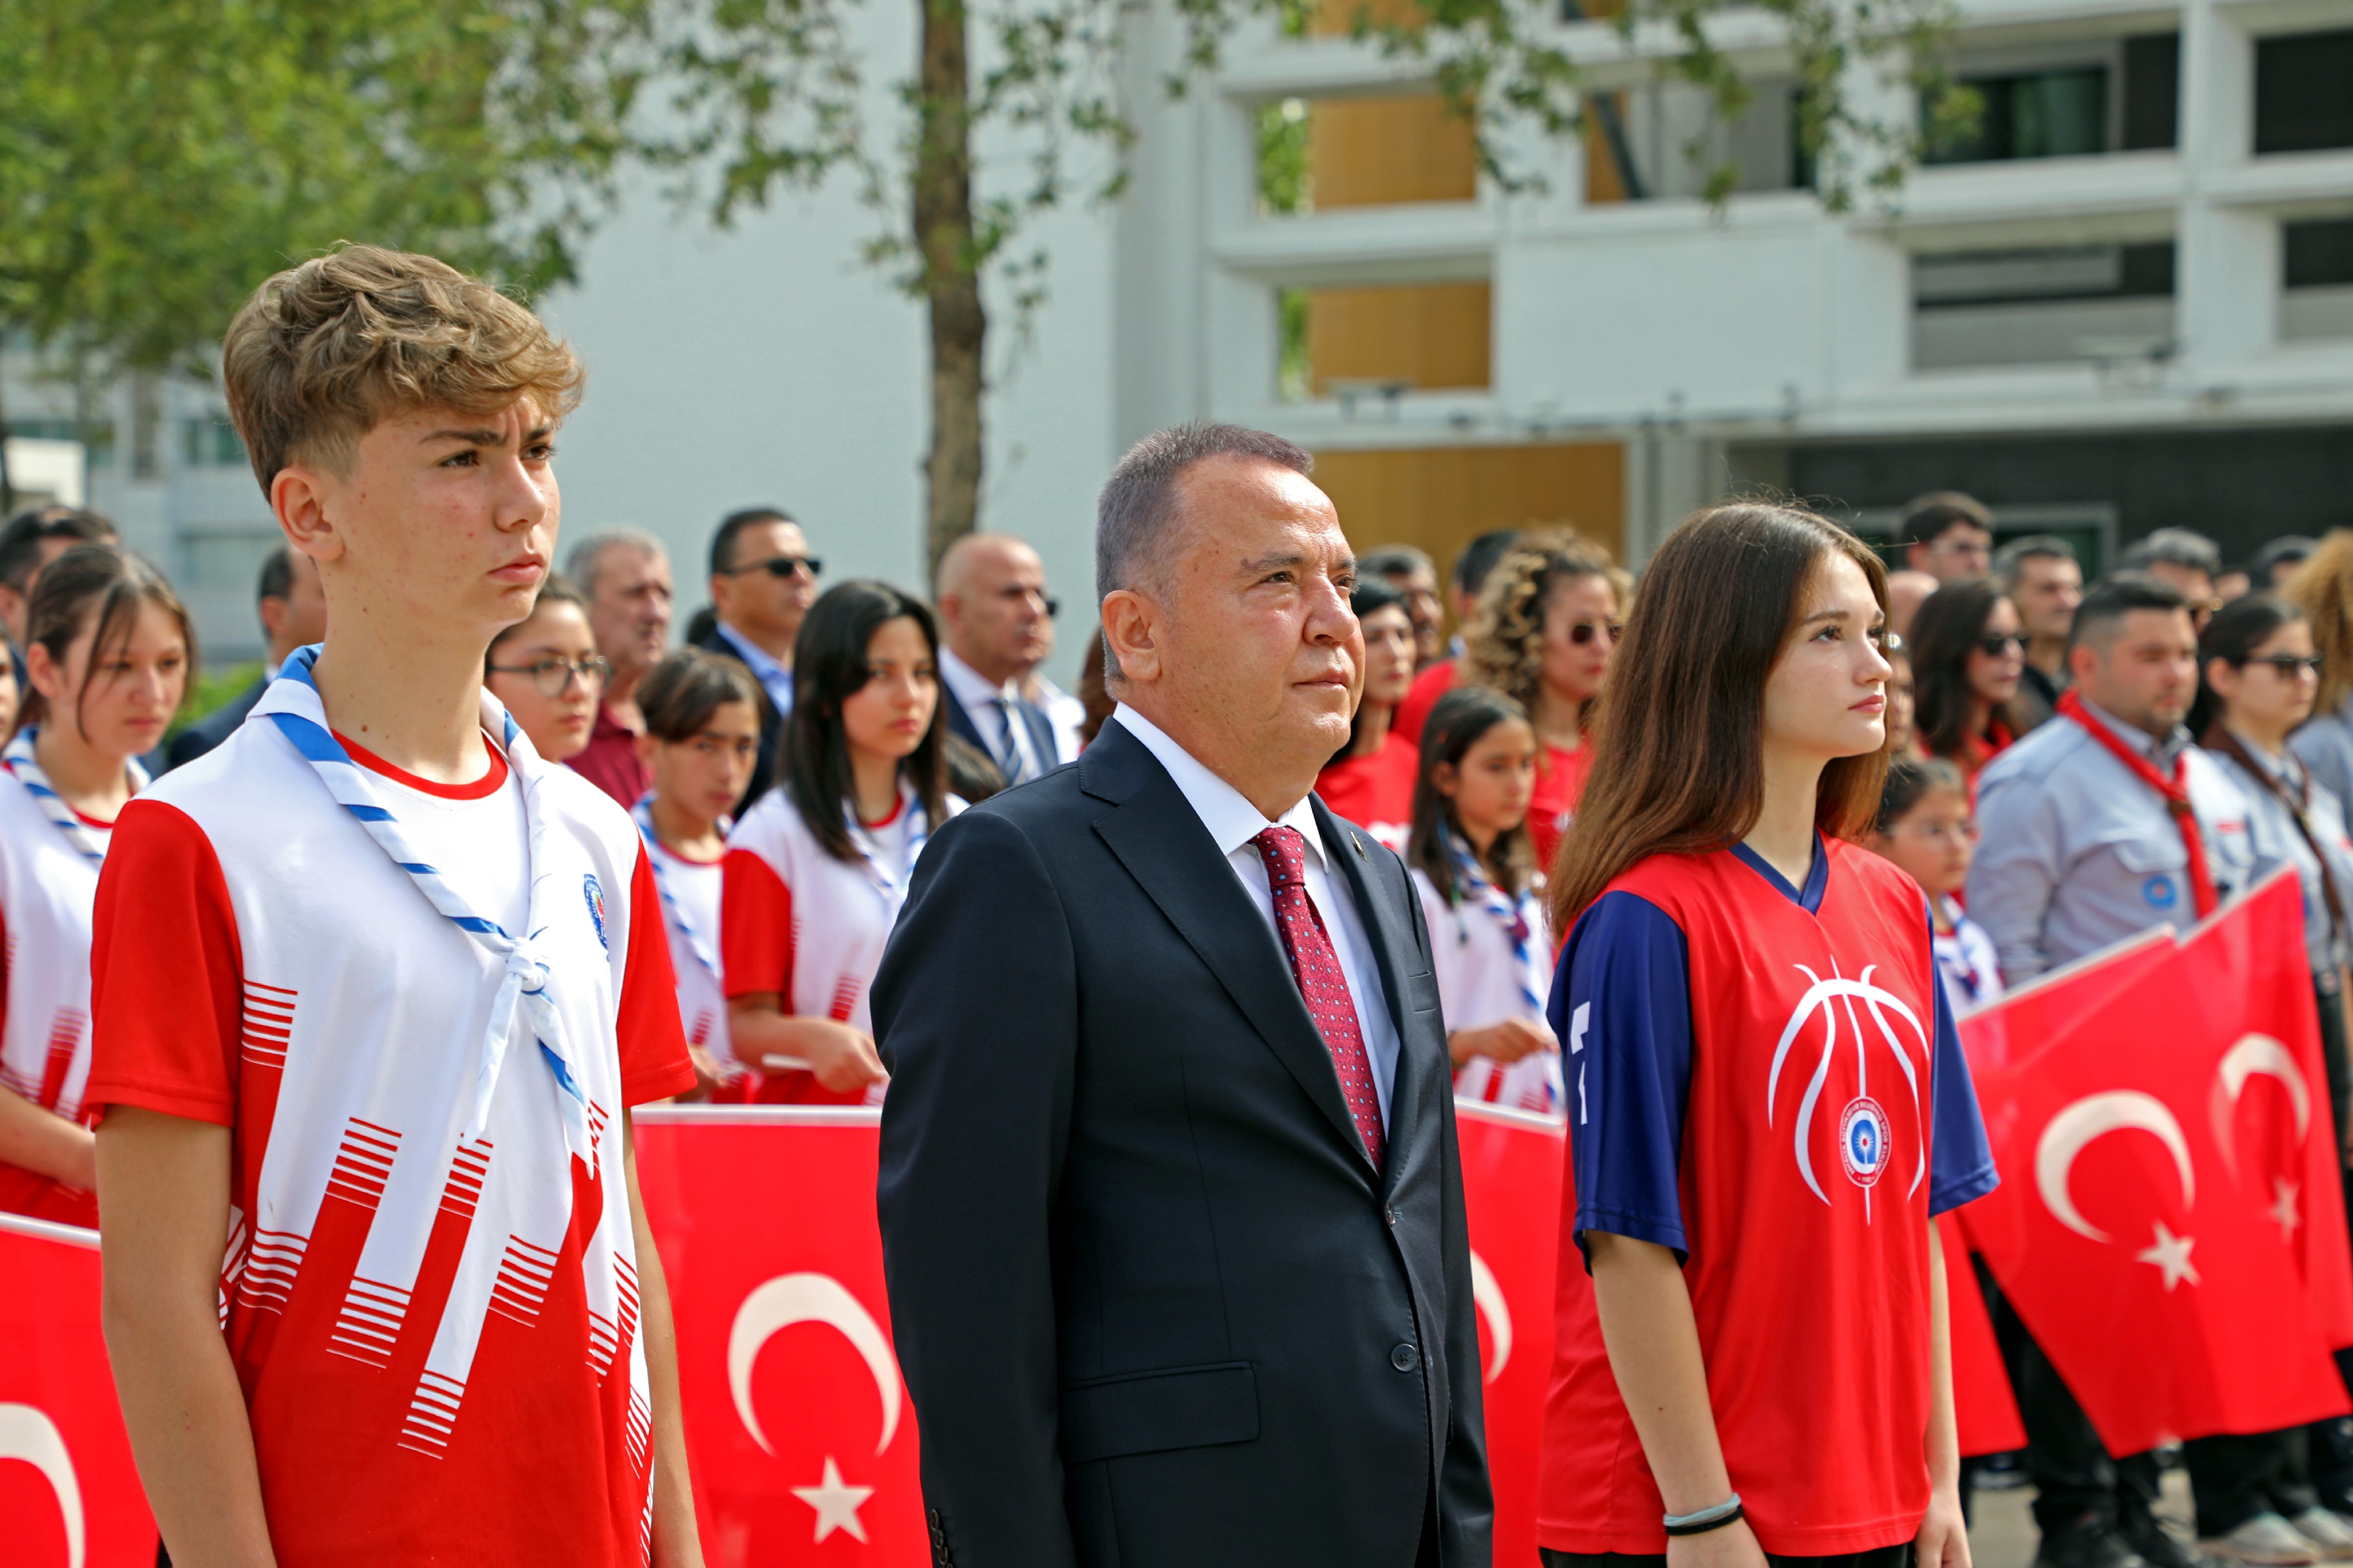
(158, 158)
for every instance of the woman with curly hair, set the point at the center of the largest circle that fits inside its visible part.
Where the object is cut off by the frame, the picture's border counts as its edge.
(1546, 625)
(2323, 589)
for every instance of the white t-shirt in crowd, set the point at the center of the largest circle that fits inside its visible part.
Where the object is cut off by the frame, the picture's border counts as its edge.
(1485, 977)
(693, 887)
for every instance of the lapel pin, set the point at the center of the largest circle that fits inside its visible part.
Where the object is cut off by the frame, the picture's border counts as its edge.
(1359, 844)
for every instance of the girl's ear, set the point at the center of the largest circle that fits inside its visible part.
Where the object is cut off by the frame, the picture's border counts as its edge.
(1444, 779)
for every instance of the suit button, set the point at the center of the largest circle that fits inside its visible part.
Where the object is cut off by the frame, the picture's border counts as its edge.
(1405, 1358)
(1393, 1216)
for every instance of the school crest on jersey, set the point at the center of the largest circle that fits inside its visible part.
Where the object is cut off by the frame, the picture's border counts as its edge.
(594, 891)
(1880, 1032)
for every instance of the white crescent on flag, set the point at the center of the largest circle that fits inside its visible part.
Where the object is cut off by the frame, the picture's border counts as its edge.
(2253, 1055)
(1487, 1295)
(790, 1299)
(29, 1434)
(2117, 1110)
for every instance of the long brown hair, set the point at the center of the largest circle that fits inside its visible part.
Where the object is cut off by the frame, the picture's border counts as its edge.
(1946, 630)
(100, 585)
(829, 668)
(2323, 588)
(1678, 764)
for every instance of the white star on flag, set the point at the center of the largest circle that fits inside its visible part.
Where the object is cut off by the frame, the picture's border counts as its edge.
(837, 1504)
(2282, 1209)
(2170, 1253)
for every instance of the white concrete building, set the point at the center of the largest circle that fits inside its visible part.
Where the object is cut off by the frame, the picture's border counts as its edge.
(2128, 304)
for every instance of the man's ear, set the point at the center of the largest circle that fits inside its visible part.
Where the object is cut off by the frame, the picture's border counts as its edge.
(1131, 626)
(720, 587)
(301, 496)
(273, 615)
(2080, 662)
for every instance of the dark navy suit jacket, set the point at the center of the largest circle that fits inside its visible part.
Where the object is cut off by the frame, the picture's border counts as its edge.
(1042, 730)
(1154, 1305)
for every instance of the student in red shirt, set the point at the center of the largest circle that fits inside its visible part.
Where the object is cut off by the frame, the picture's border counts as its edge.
(109, 647)
(375, 989)
(1767, 1099)
(1370, 782)
(1548, 622)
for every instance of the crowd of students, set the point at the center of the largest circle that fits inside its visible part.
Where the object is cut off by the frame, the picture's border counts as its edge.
(2071, 765)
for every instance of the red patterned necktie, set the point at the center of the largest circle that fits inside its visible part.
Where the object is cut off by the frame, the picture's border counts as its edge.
(1321, 983)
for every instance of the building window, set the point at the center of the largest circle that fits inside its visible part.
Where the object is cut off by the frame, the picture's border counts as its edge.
(2120, 97)
(95, 436)
(2302, 101)
(1321, 154)
(210, 444)
(1667, 141)
(1366, 348)
(2316, 278)
(2105, 303)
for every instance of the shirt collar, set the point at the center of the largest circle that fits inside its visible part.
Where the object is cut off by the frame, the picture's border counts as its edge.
(1224, 811)
(757, 659)
(2160, 751)
(970, 687)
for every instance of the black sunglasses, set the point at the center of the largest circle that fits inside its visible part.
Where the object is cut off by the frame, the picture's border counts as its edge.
(1583, 632)
(780, 566)
(1994, 645)
(2291, 665)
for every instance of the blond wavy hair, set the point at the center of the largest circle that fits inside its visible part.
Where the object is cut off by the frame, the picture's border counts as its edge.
(2323, 589)
(325, 351)
(1505, 642)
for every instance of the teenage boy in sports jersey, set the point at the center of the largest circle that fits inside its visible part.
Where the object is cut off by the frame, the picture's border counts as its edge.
(375, 989)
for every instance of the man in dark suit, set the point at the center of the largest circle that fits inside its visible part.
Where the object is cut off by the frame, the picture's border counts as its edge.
(293, 615)
(995, 626)
(1171, 1203)
(762, 581)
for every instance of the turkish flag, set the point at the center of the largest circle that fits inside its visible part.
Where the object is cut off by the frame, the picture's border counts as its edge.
(1985, 1409)
(2145, 1268)
(2267, 1101)
(798, 1430)
(1512, 1167)
(71, 1497)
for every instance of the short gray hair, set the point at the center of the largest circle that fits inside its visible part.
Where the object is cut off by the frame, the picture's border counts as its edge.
(587, 557)
(1138, 512)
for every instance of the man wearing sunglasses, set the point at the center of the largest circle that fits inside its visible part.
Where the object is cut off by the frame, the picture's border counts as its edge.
(762, 581)
(997, 623)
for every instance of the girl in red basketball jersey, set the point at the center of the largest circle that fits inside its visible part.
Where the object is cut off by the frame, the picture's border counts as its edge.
(1766, 1100)
(108, 648)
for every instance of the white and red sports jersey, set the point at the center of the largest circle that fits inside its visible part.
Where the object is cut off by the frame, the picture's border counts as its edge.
(693, 887)
(1493, 958)
(436, 1334)
(810, 929)
(47, 890)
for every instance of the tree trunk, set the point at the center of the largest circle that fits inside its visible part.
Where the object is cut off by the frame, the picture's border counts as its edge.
(951, 276)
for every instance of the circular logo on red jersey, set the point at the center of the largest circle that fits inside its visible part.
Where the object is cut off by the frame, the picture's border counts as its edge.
(1863, 1141)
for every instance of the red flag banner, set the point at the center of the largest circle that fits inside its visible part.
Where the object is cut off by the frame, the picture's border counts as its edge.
(2135, 1248)
(801, 1433)
(1985, 1410)
(70, 1497)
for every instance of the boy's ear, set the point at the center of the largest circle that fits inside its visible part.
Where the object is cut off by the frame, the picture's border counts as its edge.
(646, 752)
(299, 495)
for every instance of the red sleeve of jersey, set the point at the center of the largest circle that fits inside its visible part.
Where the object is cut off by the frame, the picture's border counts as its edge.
(167, 990)
(756, 928)
(654, 1063)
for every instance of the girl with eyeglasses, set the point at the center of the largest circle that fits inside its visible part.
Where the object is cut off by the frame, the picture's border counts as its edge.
(818, 869)
(1925, 828)
(1969, 653)
(1546, 626)
(546, 669)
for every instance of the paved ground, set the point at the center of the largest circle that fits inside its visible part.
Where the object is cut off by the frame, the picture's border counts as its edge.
(2003, 1533)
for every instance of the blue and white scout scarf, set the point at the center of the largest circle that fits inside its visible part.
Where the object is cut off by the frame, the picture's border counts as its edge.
(27, 769)
(1471, 882)
(892, 888)
(673, 910)
(291, 703)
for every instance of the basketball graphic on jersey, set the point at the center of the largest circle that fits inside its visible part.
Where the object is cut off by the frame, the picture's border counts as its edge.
(1877, 1032)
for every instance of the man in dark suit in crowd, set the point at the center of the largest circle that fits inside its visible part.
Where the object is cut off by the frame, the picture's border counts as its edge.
(997, 626)
(762, 581)
(1171, 1201)
(293, 615)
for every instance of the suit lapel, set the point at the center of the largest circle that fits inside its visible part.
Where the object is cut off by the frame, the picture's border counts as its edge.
(962, 723)
(1390, 926)
(1157, 836)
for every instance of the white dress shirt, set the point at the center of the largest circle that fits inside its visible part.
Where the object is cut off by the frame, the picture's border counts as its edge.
(999, 726)
(1233, 822)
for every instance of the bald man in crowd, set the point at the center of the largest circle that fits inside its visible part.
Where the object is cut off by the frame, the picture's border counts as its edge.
(996, 619)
